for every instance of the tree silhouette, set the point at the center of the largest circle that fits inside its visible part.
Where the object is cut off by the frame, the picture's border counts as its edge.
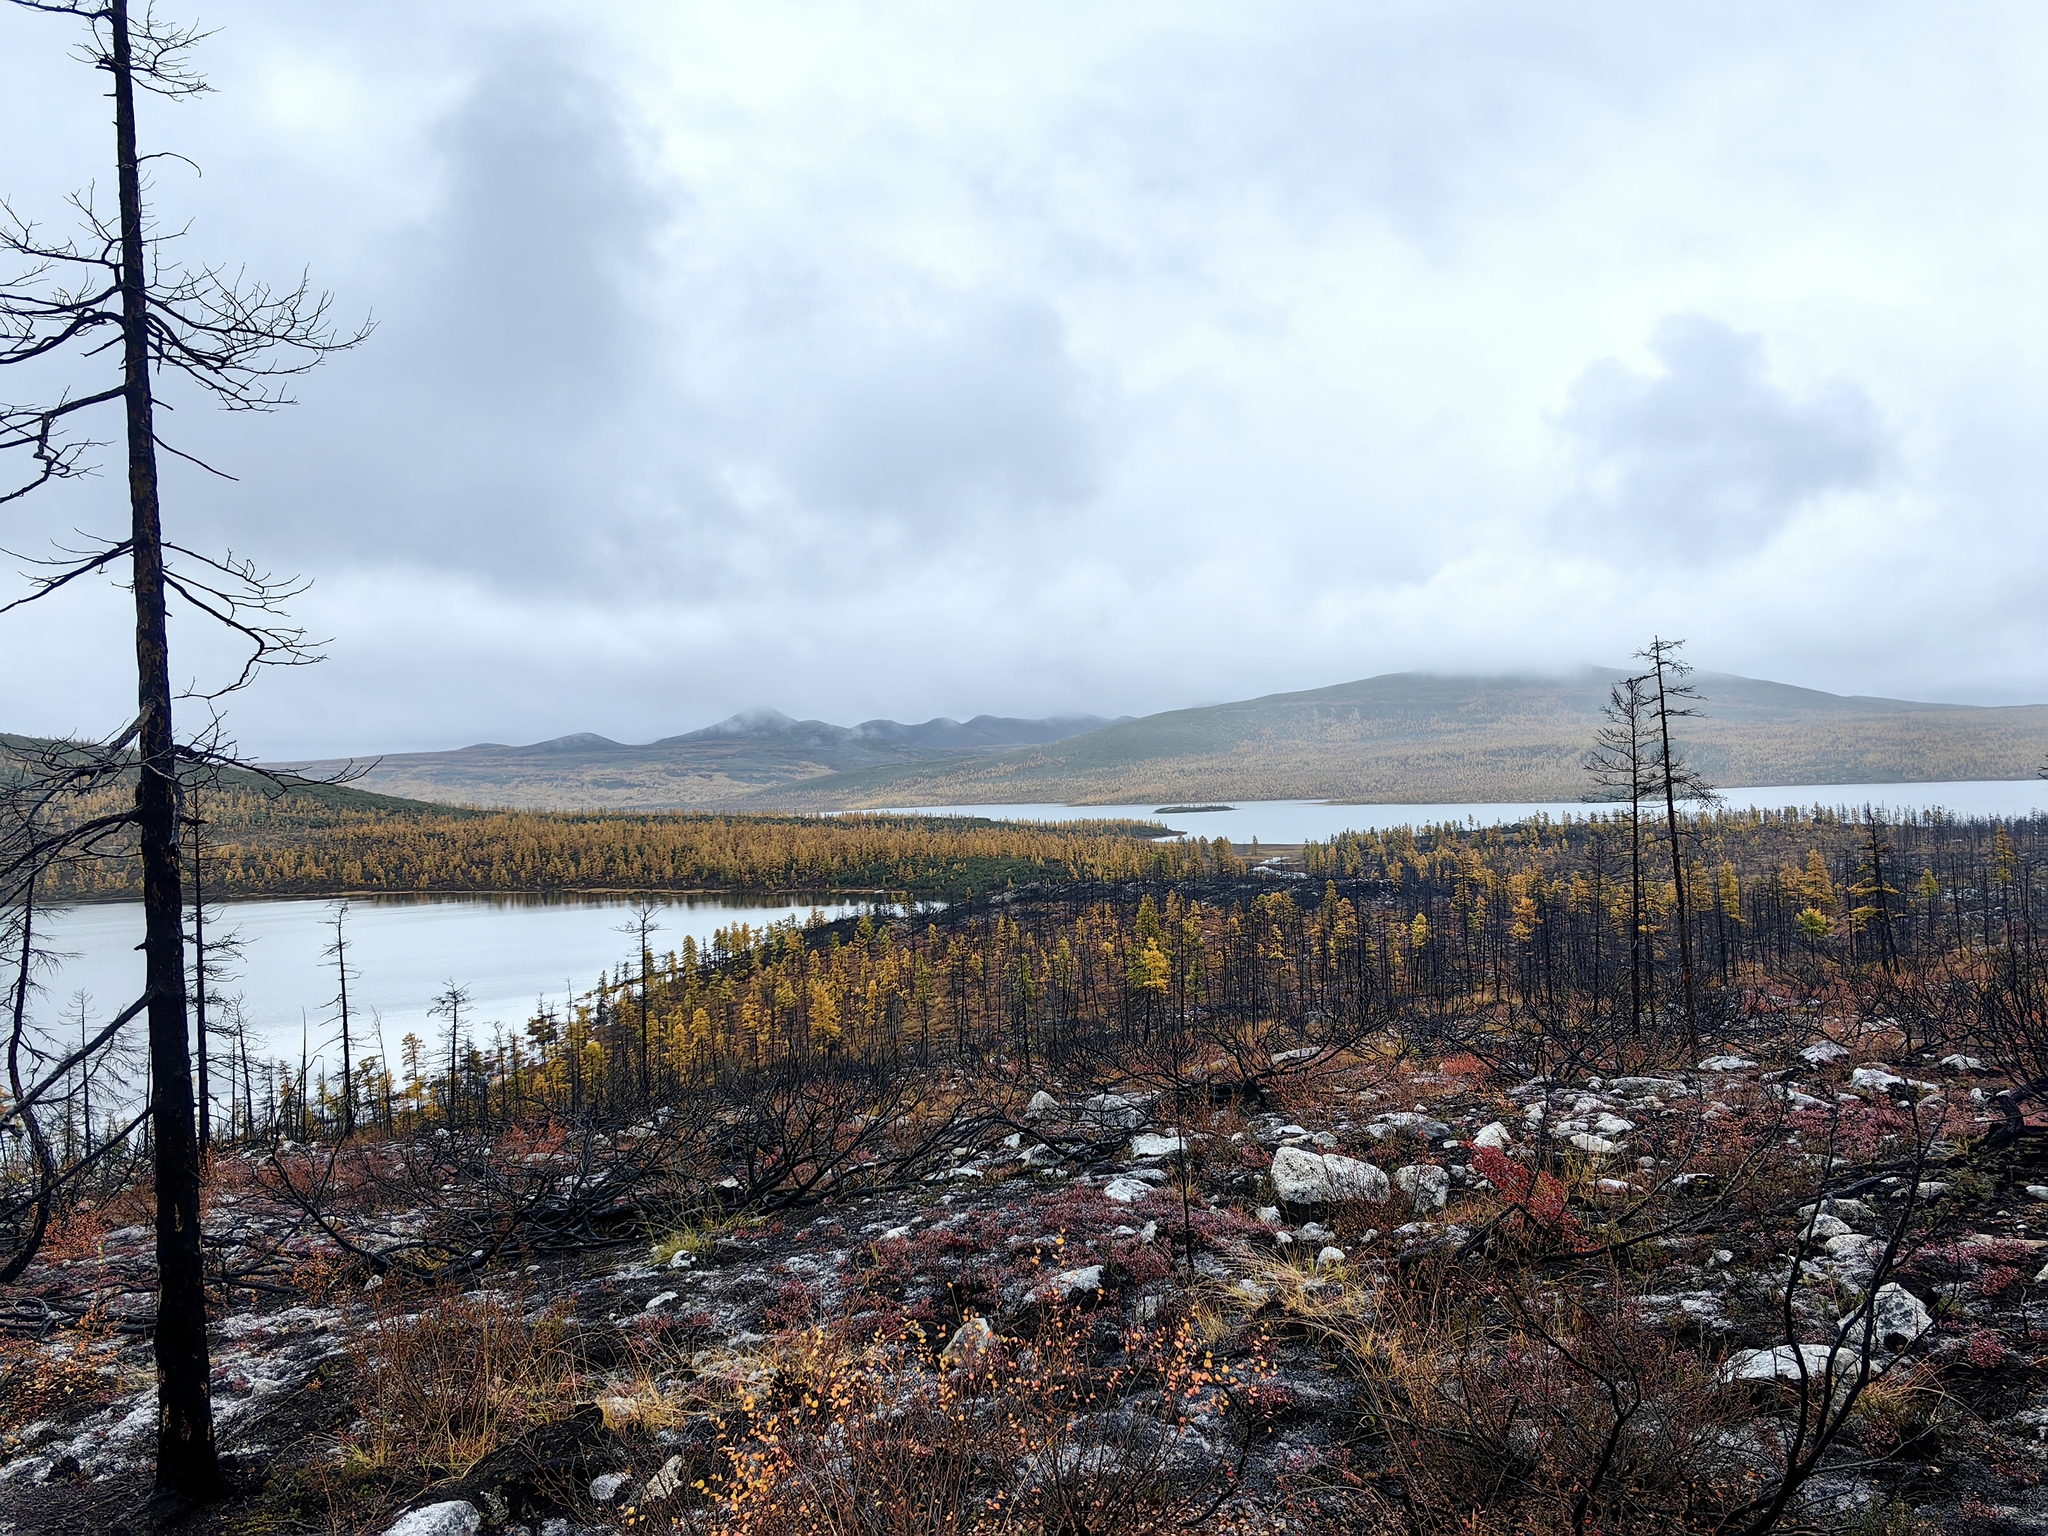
(113, 298)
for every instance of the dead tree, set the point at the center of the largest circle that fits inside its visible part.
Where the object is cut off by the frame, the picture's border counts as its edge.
(338, 953)
(1620, 764)
(1672, 698)
(113, 295)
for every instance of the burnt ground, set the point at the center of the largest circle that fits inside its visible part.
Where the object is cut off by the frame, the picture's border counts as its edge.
(1019, 1228)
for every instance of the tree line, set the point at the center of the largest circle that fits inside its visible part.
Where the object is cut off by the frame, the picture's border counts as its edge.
(262, 840)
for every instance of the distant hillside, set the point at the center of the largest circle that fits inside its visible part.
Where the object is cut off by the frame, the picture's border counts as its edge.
(1413, 736)
(723, 765)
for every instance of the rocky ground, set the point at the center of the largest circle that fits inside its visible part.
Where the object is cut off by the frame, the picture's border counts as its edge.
(1268, 1230)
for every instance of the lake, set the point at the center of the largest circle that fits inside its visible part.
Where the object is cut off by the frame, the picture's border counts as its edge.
(1300, 821)
(509, 951)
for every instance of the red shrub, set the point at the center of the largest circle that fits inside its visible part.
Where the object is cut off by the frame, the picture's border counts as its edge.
(1536, 1200)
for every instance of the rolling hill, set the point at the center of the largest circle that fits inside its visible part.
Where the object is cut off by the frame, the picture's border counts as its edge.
(1418, 737)
(721, 766)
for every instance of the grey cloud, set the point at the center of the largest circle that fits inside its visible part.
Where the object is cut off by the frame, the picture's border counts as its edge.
(966, 405)
(518, 350)
(712, 336)
(1711, 453)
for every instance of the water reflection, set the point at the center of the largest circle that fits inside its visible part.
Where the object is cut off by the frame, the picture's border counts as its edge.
(509, 951)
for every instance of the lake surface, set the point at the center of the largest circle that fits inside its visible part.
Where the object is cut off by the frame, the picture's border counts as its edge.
(509, 952)
(1300, 821)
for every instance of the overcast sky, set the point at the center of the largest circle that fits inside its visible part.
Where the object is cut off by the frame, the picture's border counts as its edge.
(905, 360)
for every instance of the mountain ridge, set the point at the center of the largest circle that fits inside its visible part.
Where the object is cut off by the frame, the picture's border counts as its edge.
(718, 766)
(1415, 737)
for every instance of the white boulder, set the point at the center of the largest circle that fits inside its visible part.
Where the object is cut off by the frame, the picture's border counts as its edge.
(1901, 1316)
(1493, 1134)
(1301, 1177)
(1113, 1112)
(1155, 1145)
(455, 1517)
(1427, 1185)
(1783, 1363)
(1069, 1283)
(666, 1483)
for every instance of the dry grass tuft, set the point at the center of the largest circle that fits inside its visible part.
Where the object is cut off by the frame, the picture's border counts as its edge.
(444, 1378)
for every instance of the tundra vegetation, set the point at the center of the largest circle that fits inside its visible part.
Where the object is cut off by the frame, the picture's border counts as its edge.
(1382, 1185)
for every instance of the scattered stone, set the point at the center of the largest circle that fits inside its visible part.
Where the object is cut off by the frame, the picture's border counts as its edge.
(1874, 1080)
(1827, 1051)
(968, 1342)
(1901, 1316)
(666, 1483)
(1427, 1185)
(1422, 1125)
(1599, 1146)
(1960, 1063)
(1044, 1155)
(1821, 1227)
(1493, 1134)
(608, 1487)
(1113, 1112)
(1270, 1215)
(656, 1303)
(1041, 1105)
(1854, 1212)
(1125, 1190)
(1726, 1064)
(1319, 1178)
(2037, 1191)
(1783, 1362)
(1155, 1145)
(1329, 1257)
(1069, 1283)
(455, 1517)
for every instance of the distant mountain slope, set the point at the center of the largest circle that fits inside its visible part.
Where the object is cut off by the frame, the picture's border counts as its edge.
(722, 765)
(1412, 736)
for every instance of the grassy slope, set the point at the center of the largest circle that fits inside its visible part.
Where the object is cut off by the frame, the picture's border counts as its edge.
(1416, 737)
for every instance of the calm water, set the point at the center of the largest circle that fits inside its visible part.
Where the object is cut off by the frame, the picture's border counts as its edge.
(509, 952)
(1298, 821)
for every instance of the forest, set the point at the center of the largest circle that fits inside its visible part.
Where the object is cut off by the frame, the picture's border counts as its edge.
(245, 837)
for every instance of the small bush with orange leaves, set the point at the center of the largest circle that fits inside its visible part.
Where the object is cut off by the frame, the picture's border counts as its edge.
(1020, 1437)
